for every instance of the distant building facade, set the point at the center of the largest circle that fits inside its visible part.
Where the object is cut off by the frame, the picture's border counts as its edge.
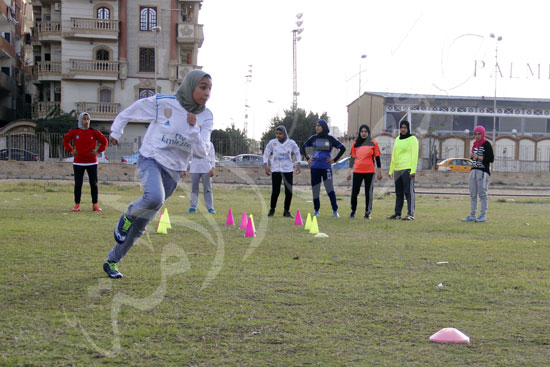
(102, 55)
(15, 22)
(444, 126)
(450, 115)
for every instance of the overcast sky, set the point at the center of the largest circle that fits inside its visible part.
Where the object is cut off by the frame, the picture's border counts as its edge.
(426, 46)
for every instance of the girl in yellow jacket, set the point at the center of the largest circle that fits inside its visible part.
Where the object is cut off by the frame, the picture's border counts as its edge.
(404, 160)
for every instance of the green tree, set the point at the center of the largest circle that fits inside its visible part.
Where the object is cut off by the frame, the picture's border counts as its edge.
(57, 121)
(299, 125)
(230, 141)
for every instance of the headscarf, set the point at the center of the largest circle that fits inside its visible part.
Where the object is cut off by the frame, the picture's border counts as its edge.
(80, 126)
(408, 125)
(477, 144)
(325, 131)
(359, 141)
(282, 129)
(184, 95)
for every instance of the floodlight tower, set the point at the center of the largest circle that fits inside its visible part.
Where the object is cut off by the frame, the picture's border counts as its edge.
(295, 39)
(246, 105)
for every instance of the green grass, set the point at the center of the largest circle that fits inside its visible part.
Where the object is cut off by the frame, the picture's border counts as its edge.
(204, 295)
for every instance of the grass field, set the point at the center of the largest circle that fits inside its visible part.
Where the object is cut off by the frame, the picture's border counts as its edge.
(204, 295)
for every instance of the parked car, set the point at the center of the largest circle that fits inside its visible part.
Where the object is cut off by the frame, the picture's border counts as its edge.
(129, 159)
(101, 158)
(455, 164)
(244, 160)
(17, 154)
(344, 163)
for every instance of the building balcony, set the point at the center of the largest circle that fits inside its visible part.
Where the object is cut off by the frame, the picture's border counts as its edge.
(6, 49)
(46, 71)
(190, 33)
(106, 29)
(7, 84)
(48, 31)
(42, 109)
(92, 70)
(99, 111)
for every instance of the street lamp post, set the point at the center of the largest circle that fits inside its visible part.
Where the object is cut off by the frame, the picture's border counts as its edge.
(295, 38)
(359, 98)
(157, 30)
(497, 40)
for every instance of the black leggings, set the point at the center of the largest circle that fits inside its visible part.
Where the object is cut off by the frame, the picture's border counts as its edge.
(79, 178)
(358, 179)
(276, 178)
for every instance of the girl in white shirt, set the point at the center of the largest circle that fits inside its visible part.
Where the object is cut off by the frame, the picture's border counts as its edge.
(281, 169)
(179, 125)
(202, 168)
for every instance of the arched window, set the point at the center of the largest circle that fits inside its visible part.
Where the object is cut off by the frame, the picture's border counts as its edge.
(102, 54)
(148, 19)
(105, 95)
(144, 93)
(103, 13)
(147, 60)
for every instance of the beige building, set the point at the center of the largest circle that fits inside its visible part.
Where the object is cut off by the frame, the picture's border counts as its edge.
(102, 55)
(444, 126)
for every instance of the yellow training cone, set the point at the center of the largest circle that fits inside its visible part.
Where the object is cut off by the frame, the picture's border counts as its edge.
(166, 219)
(161, 227)
(314, 227)
(252, 220)
(307, 227)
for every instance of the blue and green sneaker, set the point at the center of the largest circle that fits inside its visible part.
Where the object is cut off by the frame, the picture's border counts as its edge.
(111, 270)
(122, 228)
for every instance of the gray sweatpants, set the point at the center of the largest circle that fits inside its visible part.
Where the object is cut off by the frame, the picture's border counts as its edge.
(158, 184)
(479, 183)
(207, 189)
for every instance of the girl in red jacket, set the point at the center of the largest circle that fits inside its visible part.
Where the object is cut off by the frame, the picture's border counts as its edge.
(85, 153)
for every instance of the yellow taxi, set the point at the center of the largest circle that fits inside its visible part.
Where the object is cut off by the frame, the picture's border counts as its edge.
(455, 164)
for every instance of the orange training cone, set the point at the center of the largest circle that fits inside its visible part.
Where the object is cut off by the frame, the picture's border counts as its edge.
(298, 220)
(244, 221)
(249, 229)
(230, 221)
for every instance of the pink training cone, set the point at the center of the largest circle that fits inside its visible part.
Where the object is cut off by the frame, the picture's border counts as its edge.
(449, 335)
(249, 229)
(230, 221)
(244, 221)
(298, 220)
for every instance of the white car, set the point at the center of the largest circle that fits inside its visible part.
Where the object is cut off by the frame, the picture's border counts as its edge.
(101, 158)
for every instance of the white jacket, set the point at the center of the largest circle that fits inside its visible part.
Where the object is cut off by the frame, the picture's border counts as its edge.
(169, 138)
(282, 155)
(203, 164)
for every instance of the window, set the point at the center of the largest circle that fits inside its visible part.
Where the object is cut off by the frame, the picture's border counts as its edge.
(147, 60)
(148, 19)
(103, 13)
(105, 96)
(102, 54)
(145, 93)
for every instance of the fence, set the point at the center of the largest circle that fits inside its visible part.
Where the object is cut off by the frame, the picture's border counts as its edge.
(49, 147)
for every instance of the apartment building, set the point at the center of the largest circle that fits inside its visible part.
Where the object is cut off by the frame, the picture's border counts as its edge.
(100, 56)
(15, 18)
